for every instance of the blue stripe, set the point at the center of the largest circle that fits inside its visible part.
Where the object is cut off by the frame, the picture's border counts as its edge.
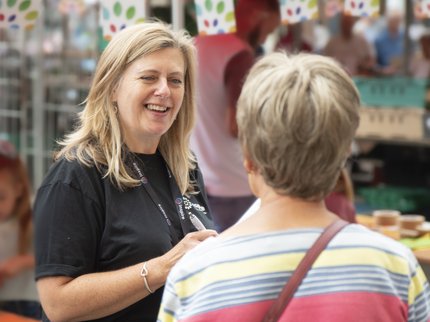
(237, 259)
(273, 283)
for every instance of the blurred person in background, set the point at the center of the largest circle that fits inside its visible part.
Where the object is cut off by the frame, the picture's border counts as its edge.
(224, 60)
(420, 62)
(389, 44)
(293, 38)
(119, 206)
(297, 116)
(351, 50)
(18, 292)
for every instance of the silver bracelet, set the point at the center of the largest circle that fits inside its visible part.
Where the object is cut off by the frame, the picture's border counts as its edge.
(144, 273)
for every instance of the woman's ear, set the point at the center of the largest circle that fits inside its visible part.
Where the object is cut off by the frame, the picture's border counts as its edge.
(114, 96)
(248, 165)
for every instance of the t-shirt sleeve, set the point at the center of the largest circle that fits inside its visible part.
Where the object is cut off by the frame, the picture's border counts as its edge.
(66, 219)
(418, 294)
(170, 307)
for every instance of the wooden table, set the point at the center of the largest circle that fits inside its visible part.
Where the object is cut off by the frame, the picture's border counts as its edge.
(423, 256)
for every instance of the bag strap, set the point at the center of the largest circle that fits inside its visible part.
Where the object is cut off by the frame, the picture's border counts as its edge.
(279, 306)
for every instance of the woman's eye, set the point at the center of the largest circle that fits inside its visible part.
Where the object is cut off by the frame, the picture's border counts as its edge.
(176, 81)
(148, 78)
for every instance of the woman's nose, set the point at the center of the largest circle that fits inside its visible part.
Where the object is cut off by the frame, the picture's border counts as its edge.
(162, 89)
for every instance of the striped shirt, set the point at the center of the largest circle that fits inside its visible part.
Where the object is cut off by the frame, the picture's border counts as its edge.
(361, 276)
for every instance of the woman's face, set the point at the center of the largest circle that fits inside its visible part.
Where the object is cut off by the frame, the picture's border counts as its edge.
(10, 191)
(149, 96)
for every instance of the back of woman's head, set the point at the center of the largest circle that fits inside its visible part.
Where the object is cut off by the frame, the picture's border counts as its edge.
(14, 173)
(297, 116)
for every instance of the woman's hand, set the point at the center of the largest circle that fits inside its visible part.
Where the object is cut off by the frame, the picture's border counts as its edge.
(95, 295)
(190, 241)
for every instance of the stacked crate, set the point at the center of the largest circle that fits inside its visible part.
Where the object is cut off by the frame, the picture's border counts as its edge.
(393, 108)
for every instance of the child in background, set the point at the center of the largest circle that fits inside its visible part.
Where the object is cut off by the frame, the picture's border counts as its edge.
(17, 286)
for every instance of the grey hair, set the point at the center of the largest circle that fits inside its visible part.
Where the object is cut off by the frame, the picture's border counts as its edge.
(297, 116)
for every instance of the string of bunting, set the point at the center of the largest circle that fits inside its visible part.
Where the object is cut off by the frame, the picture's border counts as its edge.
(116, 15)
(422, 9)
(15, 14)
(213, 16)
(217, 16)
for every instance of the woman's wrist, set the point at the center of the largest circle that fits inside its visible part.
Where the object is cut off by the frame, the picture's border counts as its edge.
(144, 273)
(154, 273)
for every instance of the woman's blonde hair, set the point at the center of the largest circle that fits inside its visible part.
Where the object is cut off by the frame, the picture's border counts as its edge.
(98, 140)
(297, 116)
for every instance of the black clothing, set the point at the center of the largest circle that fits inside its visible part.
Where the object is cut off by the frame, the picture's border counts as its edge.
(84, 224)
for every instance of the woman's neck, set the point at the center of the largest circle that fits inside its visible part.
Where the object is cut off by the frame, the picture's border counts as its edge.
(146, 146)
(294, 210)
(280, 212)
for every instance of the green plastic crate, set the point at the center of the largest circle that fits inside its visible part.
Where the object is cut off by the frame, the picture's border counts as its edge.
(404, 199)
(392, 91)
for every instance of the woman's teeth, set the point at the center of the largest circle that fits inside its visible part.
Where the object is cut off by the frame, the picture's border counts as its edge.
(156, 108)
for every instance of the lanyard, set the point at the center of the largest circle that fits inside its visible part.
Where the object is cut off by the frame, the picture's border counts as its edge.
(177, 197)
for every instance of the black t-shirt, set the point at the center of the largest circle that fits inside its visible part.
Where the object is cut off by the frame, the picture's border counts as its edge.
(84, 224)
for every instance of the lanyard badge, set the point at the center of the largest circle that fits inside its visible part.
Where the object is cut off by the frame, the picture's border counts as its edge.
(178, 200)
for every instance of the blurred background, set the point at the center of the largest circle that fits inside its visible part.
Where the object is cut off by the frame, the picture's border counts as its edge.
(46, 69)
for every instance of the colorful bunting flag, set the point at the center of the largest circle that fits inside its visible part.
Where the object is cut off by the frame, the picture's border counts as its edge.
(71, 6)
(362, 8)
(116, 15)
(215, 16)
(422, 9)
(19, 14)
(293, 11)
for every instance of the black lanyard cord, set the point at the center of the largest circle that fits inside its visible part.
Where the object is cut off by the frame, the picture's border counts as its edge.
(177, 197)
(151, 192)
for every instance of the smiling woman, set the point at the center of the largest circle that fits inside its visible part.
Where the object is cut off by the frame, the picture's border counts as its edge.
(149, 97)
(113, 214)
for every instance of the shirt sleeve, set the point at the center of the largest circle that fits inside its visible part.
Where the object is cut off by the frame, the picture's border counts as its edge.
(418, 295)
(170, 303)
(67, 231)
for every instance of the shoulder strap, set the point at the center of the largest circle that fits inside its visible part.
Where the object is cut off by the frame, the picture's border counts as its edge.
(279, 306)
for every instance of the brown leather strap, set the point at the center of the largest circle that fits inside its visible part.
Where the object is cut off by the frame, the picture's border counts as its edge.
(279, 306)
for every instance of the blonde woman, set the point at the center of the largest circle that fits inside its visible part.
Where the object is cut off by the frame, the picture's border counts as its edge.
(113, 214)
(297, 117)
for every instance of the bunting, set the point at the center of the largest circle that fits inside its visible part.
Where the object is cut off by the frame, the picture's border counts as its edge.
(116, 15)
(362, 8)
(422, 9)
(294, 11)
(215, 16)
(15, 14)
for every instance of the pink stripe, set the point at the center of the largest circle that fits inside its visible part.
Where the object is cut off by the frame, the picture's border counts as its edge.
(339, 307)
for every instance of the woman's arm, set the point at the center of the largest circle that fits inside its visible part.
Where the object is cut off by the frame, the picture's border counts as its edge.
(96, 295)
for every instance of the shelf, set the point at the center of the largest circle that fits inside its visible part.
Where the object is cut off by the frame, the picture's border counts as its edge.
(395, 141)
(63, 108)
(11, 113)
